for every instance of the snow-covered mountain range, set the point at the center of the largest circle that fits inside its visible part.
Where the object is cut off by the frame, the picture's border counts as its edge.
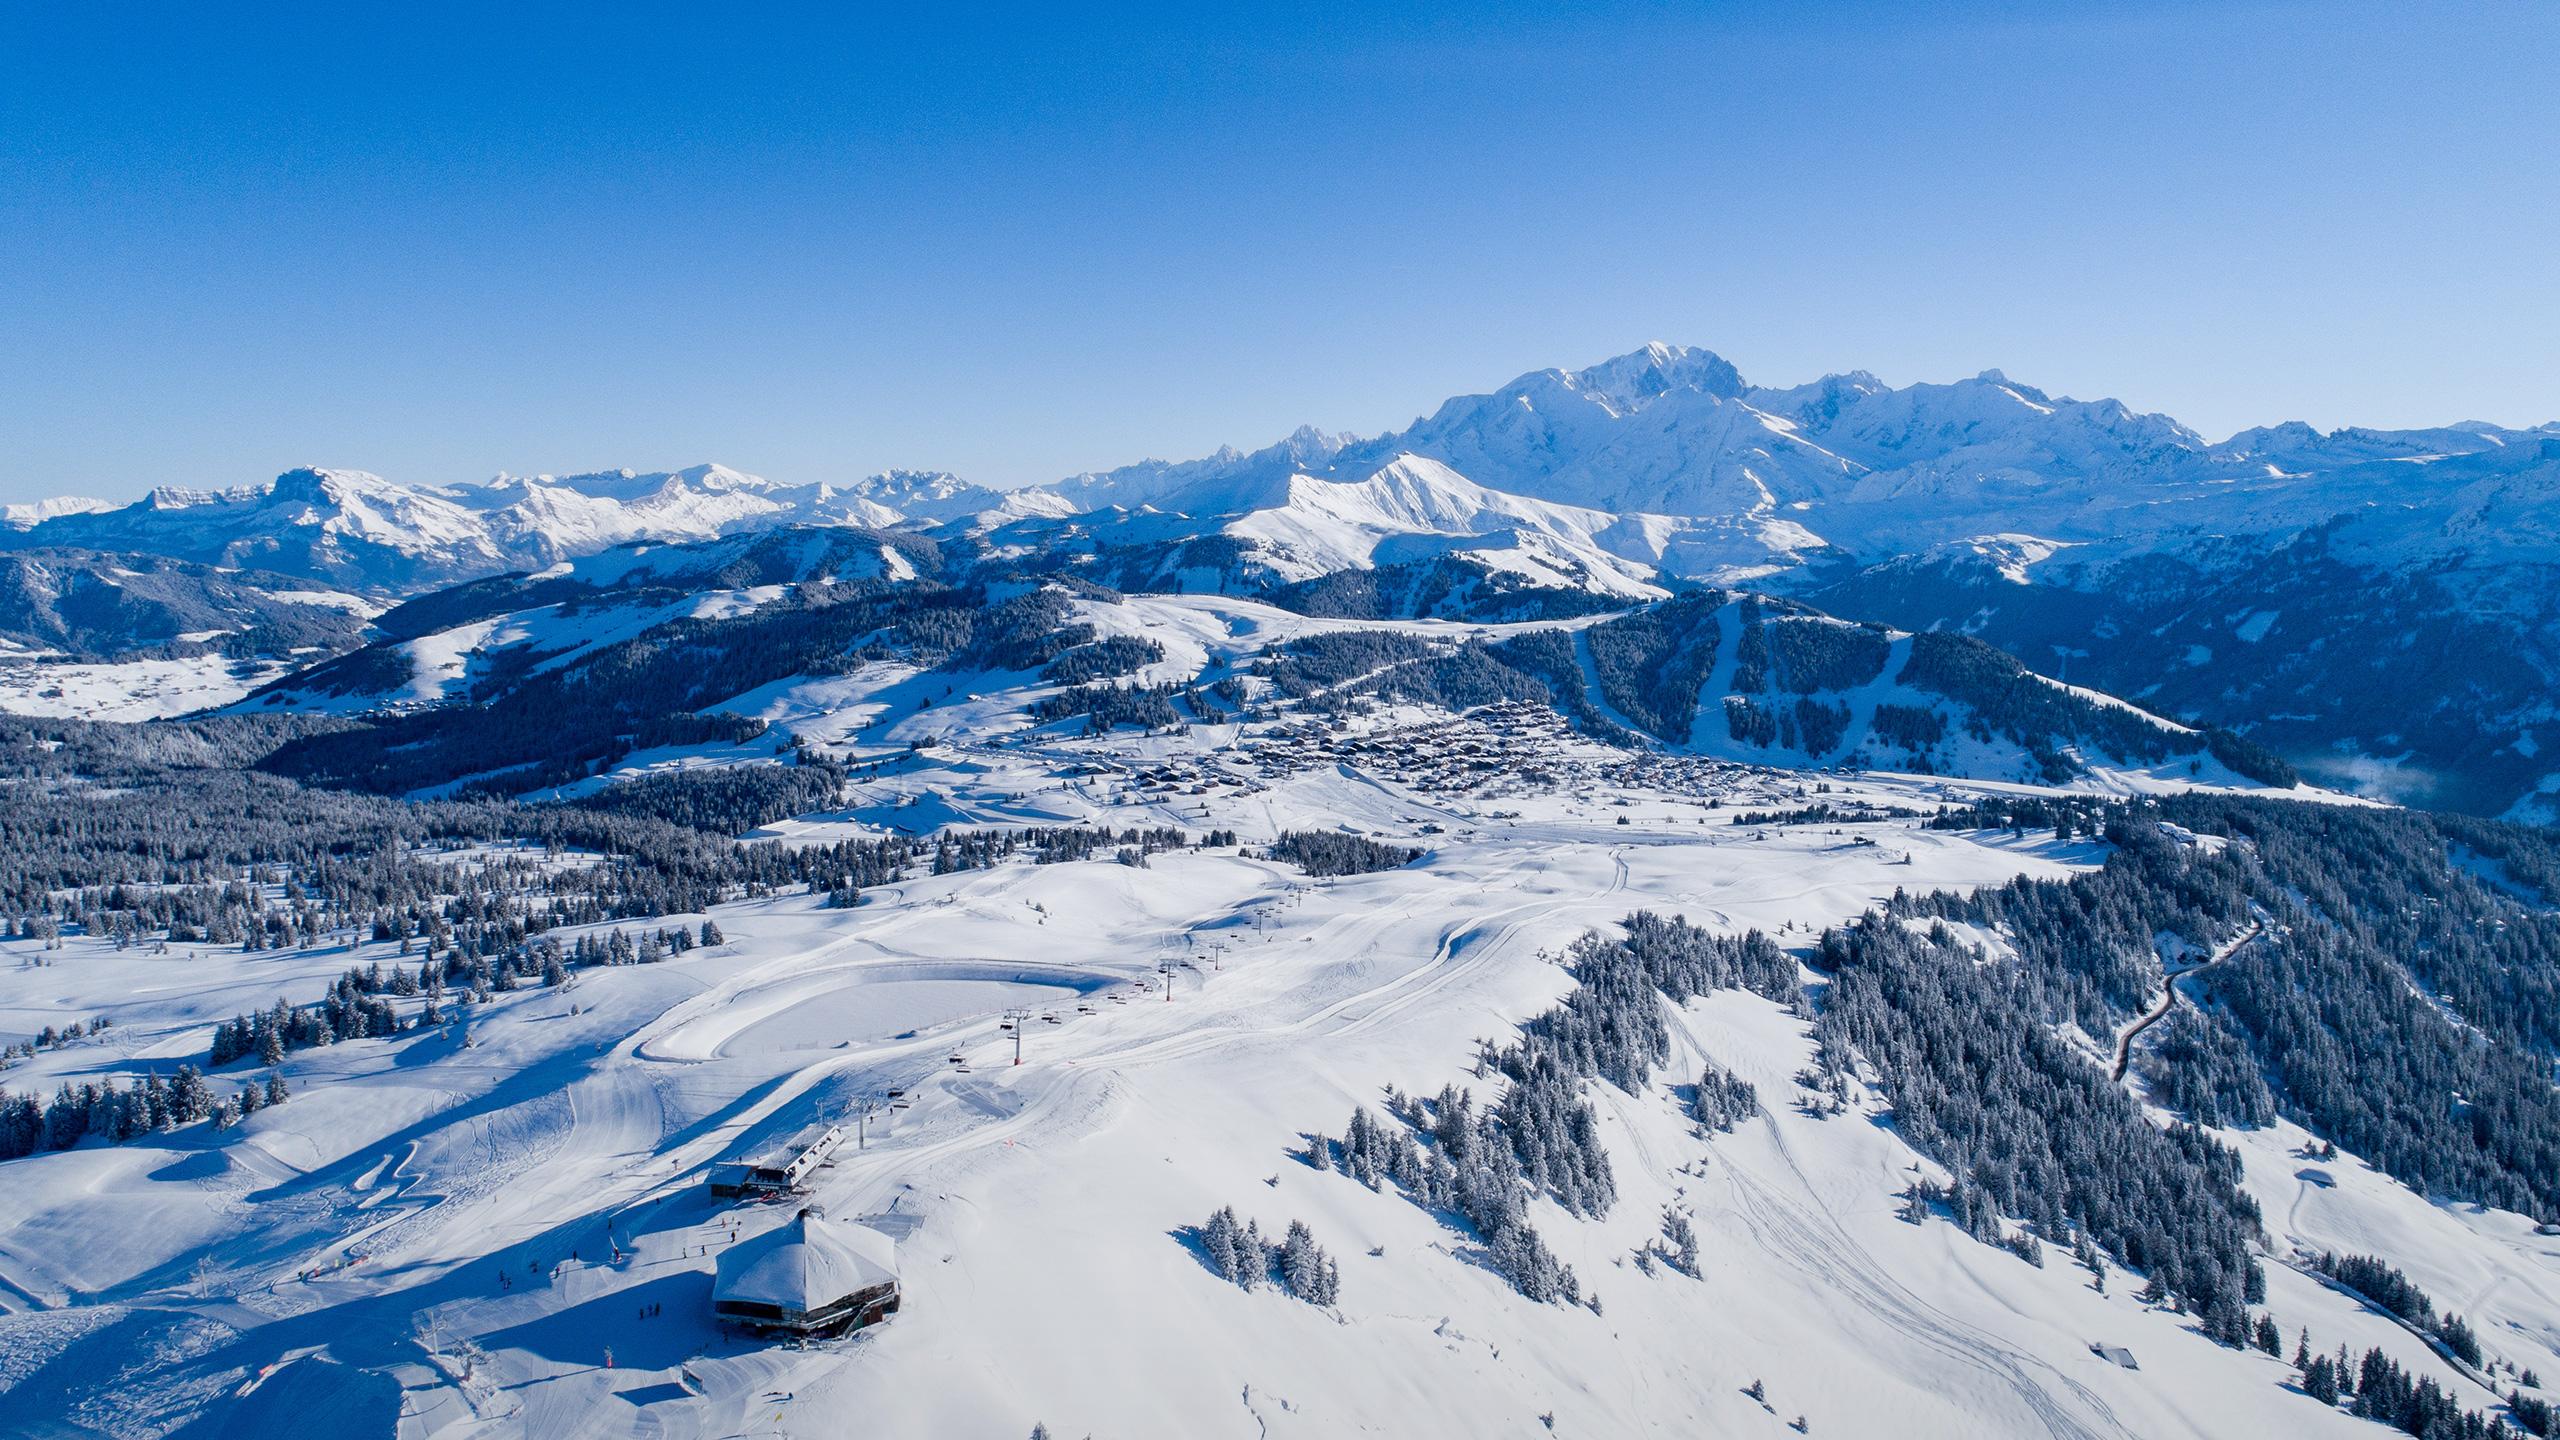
(1677, 445)
(2254, 582)
(356, 529)
(1664, 459)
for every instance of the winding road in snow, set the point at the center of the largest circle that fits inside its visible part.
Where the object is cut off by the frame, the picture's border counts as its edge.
(2169, 996)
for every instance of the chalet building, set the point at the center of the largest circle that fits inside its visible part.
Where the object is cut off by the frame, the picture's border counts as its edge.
(779, 1169)
(813, 1276)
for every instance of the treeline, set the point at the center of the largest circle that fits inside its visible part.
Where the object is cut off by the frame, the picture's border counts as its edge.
(136, 835)
(51, 1038)
(1816, 727)
(791, 556)
(1461, 678)
(233, 859)
(2380, 1282)
(528, 728)
(146, 1105)
(2383, 1391)
(1468, 1170)
(1312, 663)
(727, 799)
(1331, 852)
(957, 850)
(2249, 759)
(1816, 654)
(1448, 587)
(1966, 1048)
(1825, 812)
(1750, 722)
(1106, 707)
(350, 1011)
(34, 748)
(1349, 671)
(2067, 816)
(107, 833)
(1022, 632)
(2004, 698)
(1104, 659)
(220, 857)
(355, 1008)
(1751, 654)
(1917, 730)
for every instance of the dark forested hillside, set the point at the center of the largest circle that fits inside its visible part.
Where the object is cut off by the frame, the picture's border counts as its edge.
(534, 728)
(2319, 657)
(1651, 663)
(88, 604)
(2404, 1001)
(2028, 1126)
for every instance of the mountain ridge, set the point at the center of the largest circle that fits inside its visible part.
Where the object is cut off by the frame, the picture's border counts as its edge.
(1569, 490)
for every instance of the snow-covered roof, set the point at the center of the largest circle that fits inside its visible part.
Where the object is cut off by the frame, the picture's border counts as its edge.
(808, 1264)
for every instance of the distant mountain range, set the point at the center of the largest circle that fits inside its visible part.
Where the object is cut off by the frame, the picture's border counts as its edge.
(2382, 607)
(350, 528)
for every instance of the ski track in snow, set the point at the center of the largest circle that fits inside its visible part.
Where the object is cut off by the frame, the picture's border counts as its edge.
(1818, 1245)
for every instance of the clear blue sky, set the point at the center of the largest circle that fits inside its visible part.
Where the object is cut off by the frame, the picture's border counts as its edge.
(438, 243)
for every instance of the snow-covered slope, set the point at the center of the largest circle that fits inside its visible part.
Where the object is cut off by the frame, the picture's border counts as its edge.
(2407, 645)
(1411, 507)
(341, 526)
(2427, 555)
(546, 518)
(555, 675)
(1009, 888)
(108, 636)
(499, 1224)
(1222, 483)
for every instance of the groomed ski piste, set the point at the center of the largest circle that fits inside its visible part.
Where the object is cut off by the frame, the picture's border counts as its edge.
(503, 1227)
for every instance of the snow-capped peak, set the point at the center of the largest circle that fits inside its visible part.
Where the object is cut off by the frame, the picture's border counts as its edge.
(36, 512)
(1629, 382)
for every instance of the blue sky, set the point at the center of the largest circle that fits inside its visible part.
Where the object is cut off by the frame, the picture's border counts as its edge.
(441, 243)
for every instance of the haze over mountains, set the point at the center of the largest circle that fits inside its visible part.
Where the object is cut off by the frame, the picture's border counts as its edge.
(2377, 605)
